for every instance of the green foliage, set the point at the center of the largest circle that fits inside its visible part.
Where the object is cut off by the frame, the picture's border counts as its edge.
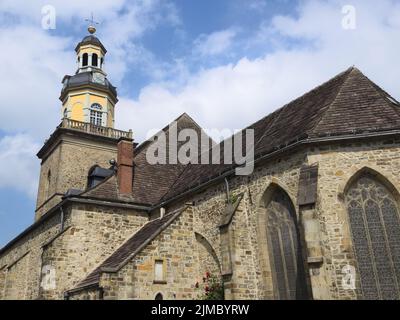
(212, 288)
(233, 198)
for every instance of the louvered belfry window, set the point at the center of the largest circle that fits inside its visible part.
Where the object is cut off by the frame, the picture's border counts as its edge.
(284, 249)
(375, 230)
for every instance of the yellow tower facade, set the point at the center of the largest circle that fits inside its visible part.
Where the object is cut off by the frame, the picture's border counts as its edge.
(88, 96)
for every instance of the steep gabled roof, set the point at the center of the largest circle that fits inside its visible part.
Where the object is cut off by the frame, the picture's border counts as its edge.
(349, 103)
(152, 181)
(131, 247)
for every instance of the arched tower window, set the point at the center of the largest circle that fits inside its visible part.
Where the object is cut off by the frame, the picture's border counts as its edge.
(85, 59)
(375, 231)
(95, 58)
(287, 264)
(159, 296)
(96, 114)
(101, 62)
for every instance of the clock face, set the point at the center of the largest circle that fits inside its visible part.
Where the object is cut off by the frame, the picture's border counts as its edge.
(98, 78)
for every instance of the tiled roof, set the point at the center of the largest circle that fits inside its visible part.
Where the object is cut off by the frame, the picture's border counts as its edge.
(131, 247)
(347, 104)
(152, 181)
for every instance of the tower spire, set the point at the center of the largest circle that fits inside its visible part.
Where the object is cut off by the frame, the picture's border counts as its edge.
(92, 23)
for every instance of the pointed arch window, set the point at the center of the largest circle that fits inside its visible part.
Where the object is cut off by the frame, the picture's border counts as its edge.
(284, 248)
(375, 230)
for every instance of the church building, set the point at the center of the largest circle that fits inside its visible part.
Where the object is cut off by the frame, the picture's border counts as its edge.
(318, 218)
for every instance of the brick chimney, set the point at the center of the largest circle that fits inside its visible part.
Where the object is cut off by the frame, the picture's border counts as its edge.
(125, 166)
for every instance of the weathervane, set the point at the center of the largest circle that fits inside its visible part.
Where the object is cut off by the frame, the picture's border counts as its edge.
(92, 24)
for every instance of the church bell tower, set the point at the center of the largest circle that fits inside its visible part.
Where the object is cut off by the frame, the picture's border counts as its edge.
(88, 96)
(86, 137)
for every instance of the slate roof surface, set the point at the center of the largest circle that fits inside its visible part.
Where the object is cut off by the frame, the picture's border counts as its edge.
(151, 182)
(348, 103)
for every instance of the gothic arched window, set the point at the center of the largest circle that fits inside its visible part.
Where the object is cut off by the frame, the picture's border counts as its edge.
(95, 58)
(85, 59)
(375, 230)
(284, 248)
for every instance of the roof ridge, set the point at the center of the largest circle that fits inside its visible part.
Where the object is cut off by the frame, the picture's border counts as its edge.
(348, 71)
(166, 130)
(279, 110)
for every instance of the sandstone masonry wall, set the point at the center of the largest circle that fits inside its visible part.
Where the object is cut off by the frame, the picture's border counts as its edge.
(95, 233)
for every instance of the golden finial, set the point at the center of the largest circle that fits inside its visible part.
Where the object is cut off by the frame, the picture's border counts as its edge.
(92, 24)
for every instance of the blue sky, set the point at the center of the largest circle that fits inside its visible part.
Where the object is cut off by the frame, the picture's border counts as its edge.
(225, 62)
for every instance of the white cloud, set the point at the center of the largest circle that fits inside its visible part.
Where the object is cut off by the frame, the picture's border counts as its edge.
(33, 65)
(309, 49)
(214, 43)
(19, 169)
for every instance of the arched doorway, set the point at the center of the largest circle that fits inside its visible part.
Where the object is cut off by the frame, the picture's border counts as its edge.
(284, 246)
(375, 231)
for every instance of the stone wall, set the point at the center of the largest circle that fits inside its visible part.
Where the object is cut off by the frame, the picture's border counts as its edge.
(24, 259)
(338, 165)
(69, 164)
(87, 294)
(47, 188)
(94, 234)
(17, 275)
(251, 275)
(46, 255)
(203, 236)
(2, 282)
(249, 279)
(176, 246)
